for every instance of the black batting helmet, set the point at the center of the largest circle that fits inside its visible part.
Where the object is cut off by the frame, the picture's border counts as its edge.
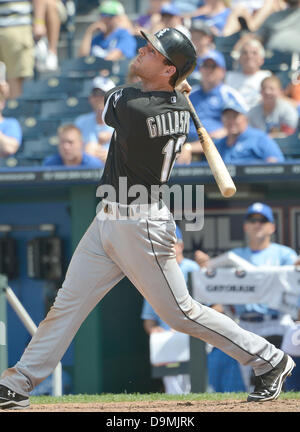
(177, 48)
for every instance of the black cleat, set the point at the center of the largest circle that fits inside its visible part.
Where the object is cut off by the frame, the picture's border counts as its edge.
(268, 386)
(12, 400)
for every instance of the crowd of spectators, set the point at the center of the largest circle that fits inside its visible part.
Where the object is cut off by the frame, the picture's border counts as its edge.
(222, 81)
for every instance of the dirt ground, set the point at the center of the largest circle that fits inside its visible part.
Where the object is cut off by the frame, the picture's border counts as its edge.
(289, 405)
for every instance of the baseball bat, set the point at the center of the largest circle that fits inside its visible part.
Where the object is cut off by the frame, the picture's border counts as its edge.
(216, 163)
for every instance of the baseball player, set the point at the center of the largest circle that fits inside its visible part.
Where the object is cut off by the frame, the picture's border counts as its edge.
(151, 122)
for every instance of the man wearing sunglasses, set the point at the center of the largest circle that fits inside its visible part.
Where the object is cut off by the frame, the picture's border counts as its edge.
(259, 225)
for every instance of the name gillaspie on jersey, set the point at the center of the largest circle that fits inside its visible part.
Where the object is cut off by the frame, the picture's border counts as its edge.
(175, 122)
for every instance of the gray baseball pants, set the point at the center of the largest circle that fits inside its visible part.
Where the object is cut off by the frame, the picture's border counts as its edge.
(140, 248)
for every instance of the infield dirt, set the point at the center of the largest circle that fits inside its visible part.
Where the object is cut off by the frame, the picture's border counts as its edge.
(289, 405)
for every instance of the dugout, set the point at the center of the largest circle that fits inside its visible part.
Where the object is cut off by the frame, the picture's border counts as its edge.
(110, 351)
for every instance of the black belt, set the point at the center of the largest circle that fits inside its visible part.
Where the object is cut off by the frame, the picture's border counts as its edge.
(259, 318)
(126, 210)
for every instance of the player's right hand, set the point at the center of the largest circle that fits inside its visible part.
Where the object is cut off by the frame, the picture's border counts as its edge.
(184, 87)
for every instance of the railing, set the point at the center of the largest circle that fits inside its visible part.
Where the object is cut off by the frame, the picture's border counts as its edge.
(30, 326)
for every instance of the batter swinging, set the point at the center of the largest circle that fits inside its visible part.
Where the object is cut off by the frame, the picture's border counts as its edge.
(151, 123)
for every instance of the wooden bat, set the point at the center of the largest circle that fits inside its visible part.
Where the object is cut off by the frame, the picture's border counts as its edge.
(216, 163)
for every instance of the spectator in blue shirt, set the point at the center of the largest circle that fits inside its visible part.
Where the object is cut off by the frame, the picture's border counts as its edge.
(244, 144)
(10, 128)
(209, 100)
(214, 13)
(96, 133)
(70, 150)
(113, 41)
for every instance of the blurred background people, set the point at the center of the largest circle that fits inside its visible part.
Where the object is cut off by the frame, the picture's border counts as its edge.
(10, 128)
(274, 114)
(248, 78)
(107, 38)
(170, 17)
(48, 17)
(96, 134)
(214, 13)
(70, 150)
(209, 99)
(260, 250)
(280, 30)
(16, 43)
(243, 143)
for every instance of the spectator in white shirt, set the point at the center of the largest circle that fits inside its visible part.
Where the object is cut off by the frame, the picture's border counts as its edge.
(274, 114)
(248, 79)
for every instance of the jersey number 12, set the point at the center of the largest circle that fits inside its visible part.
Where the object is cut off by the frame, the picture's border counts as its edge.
(171, 151)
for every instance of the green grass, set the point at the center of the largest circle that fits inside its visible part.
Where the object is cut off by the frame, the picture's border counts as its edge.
(137, 397)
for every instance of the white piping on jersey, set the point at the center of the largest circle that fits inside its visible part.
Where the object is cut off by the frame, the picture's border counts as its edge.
(106, 106)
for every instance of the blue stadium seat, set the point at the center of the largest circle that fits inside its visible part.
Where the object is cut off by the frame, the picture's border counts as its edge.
(51, 88)
(276, 61)
(33, 127)
(290, 145)
(225, 44)
(37, 149)
(20, 108)
(286, 77)
(65, 109)
(16, 161)
(85, 66)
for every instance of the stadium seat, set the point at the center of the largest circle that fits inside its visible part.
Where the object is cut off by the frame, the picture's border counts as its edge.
(65, 109)
(38, 149)
(33, 127)
(17, 161)
(276, 61)
(50, 88)
(286, 77)
(290, 145)
(225, 44)
(20, 108)
(85, 66)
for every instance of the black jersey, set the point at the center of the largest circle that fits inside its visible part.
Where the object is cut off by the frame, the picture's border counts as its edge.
(150, 129)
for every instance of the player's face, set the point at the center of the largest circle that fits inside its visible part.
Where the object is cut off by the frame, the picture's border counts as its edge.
(149, 63)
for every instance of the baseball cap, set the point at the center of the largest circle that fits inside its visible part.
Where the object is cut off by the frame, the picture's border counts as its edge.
(216, 56)
(102, 83)
(111, 8)
(199, 25)
(169, 9)
(262, 209)
(234, 105)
